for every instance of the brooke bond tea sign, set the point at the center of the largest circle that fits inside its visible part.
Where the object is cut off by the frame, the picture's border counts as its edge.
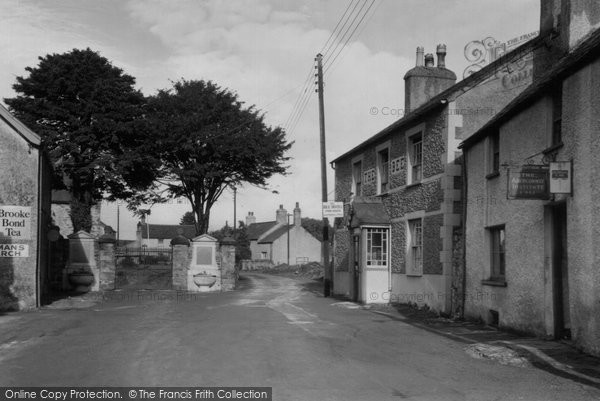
(15, 222)
(528, 182)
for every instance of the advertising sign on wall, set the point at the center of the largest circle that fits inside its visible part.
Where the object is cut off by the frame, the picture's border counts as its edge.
(560, 177)
(15, 222)
(529, 182)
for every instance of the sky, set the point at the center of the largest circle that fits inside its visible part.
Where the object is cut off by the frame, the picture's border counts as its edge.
(264, 51)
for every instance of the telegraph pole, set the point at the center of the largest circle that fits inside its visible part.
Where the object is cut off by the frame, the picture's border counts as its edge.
(325, 245)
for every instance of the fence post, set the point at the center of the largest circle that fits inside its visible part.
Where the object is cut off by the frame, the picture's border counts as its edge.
(181, 262)
(107, 263)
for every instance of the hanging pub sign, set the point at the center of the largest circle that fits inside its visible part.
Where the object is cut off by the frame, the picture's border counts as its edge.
(560, 177)
(529, 182)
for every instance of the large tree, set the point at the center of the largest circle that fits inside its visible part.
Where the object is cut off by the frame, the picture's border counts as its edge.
(90, 118)
(207, 140)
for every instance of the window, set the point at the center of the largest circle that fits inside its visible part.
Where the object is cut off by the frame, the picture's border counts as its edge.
(494, 154)
(383, 170)
(161, 242)
(357, 178)
(263, 255)
(377, 246)
(497, 253)
(416, 158)
(415, 252)
(557, 116)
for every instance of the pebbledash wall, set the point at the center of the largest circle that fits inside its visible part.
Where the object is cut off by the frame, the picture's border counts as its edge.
(443, 119)
(548, 289)
(24, 216)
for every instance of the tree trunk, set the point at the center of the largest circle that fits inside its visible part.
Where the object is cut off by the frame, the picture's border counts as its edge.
(81, 213)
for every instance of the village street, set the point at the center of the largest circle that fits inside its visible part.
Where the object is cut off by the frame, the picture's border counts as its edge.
(273, 331)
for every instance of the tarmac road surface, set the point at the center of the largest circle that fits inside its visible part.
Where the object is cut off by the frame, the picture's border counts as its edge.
(274, 331)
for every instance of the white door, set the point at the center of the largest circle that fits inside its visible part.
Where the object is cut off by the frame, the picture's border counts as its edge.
(375, 265)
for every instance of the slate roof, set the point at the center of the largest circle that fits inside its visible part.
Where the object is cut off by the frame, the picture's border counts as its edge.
(167, 231)
(442, 99)
(366, 211)
(255, 230)
(18, 126)
(271, 237)
(585, 52)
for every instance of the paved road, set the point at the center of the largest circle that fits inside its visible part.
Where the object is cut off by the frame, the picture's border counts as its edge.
(274, 331)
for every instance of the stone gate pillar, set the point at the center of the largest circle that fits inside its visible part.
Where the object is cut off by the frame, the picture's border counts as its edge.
(82, 262)
(228, 270)
(106, 262)
(181, 262)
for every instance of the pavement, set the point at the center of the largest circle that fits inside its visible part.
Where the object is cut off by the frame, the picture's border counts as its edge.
(557, 357)
(278, 332)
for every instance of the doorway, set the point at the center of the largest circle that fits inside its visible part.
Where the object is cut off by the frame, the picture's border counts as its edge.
(560, 272)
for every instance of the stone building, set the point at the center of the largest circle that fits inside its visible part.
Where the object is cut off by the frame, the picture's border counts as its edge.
(400, 239)
(279, 242)
(532, 189)
(24, 216)
(160, 235)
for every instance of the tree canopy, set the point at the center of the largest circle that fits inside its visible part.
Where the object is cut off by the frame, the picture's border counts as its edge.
(90, 119)
(207, 140)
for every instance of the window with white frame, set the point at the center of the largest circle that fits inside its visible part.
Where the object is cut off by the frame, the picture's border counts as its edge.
(415, 248)
(357, 178)
(377, 246)
(416, 158)
(383, 170)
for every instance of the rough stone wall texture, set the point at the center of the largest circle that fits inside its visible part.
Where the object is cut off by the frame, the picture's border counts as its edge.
(343, 180)
(228, 271)
(398, 246)
(427, 196)
(106, 265)
(182, 255)
(19, 166)
(432, 244)
(434, 145)
(341, 249)
(457, 286)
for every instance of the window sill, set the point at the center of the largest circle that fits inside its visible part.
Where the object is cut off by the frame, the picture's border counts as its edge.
(553, 148)
(414, 184)
(494, 283)
(492, 175)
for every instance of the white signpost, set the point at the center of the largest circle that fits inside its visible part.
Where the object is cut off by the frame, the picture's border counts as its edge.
(333, 209)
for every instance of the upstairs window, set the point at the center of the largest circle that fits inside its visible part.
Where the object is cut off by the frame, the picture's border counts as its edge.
(416, 158)
(357, 178)
(494, 154)
(383, 160)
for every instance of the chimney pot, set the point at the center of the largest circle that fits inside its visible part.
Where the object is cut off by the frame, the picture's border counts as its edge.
(420, 51)
(429, 60)
(441, 55)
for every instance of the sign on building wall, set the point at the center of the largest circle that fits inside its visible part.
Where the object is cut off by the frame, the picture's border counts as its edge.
(332, 209)
(560, 177)
(14, 250)
(15, 222)
(528, 182)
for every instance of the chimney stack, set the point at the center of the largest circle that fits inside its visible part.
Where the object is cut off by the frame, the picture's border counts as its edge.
(424, 81)
(281, 215)
(420, 51)
(297, 215)
(250, 219)
(429, 60)
(441, 56)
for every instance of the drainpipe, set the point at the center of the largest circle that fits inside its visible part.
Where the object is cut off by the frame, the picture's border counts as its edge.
(464, 233)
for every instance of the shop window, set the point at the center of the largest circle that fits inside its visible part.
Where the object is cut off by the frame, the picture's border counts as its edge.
(377, 246)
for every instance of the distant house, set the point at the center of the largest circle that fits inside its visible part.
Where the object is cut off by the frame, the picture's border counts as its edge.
(280, 242)
(160, 235)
